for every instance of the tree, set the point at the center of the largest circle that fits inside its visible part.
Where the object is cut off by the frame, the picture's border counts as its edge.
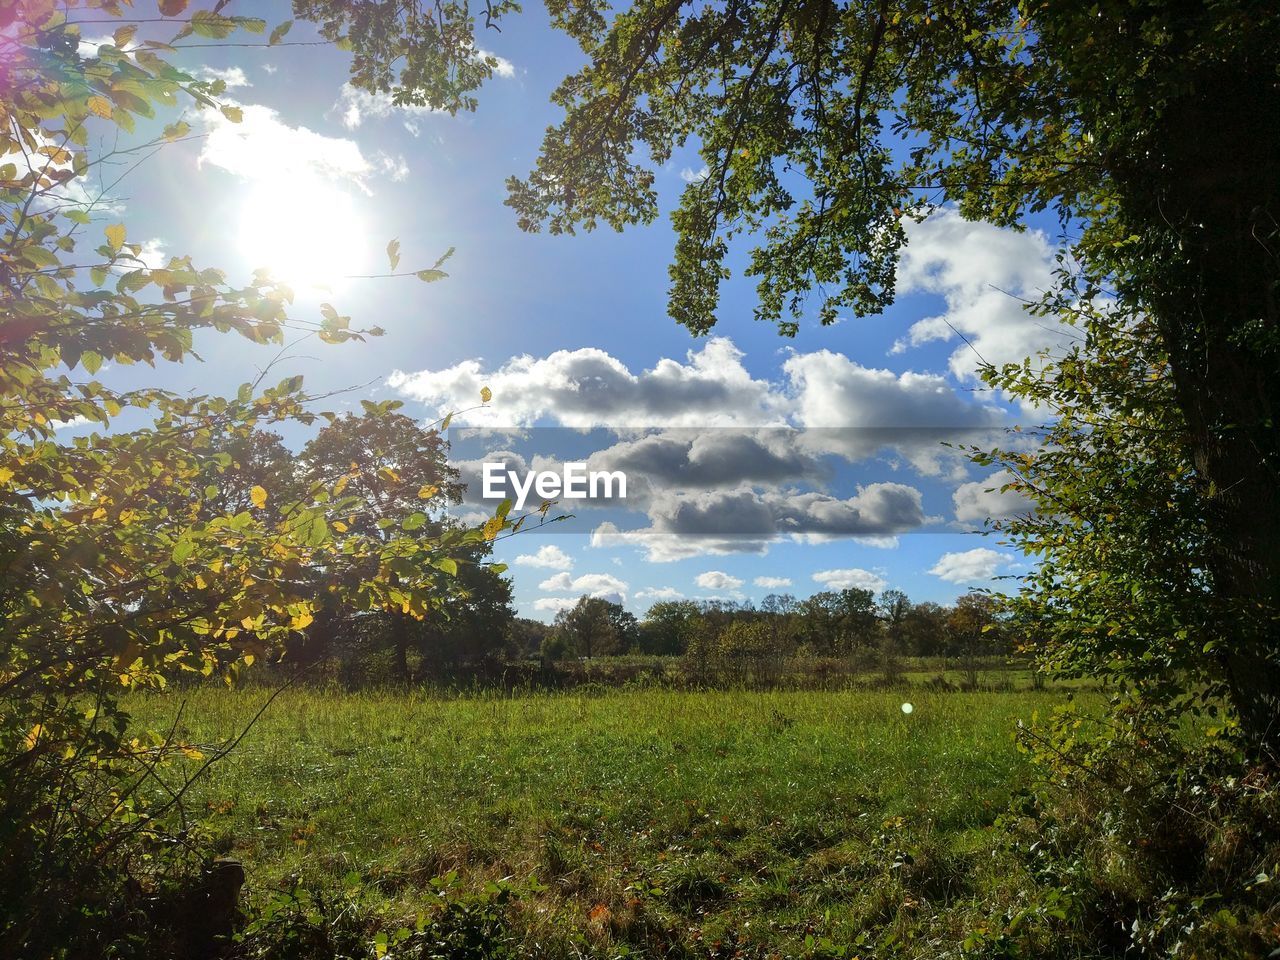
(587, 627)
(125, 560)
(666, 628)
(893, 606)
(474, 621)
(399, 471)
(970, 626)
(924, 629)
(824, 126)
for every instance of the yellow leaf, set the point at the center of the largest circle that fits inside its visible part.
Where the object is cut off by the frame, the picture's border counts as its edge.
(485, 394)
(33, 736)
(427, 492)
(259, 497)
(115, 236)
(100, 107)
(301, 621)
(492, 527)
(248, 659)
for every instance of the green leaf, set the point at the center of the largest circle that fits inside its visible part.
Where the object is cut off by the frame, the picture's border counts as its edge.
(393, 254)
(279, 32)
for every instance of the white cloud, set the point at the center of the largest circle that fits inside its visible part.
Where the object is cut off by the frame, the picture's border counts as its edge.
(262, 146)
(849, 578)
(588, 387)
(394, 166)
(592, 584)
(740, 520)
(689, 175)
(982, 500)
(660, 593)
(355, 106)
(717, 580)
(969, 566)
(984, 273)
(842, 403)
(231, 77)
(548, 556)
(554, 604)
(502, 67)
(772, 583)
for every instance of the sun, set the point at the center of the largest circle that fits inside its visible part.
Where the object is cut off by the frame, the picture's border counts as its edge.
(308, 232)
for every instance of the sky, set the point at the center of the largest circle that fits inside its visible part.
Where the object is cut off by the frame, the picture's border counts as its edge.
(769, 464)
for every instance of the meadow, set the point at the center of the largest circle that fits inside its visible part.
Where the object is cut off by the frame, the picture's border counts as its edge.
(612, 823)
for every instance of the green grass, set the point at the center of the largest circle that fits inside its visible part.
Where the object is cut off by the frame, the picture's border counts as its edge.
(650, 821)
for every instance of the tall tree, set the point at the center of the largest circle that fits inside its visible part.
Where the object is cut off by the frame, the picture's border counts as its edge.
(588, 626)
(399, 471)
(123, 560)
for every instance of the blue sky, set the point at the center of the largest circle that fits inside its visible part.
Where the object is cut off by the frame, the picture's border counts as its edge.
(319, 175)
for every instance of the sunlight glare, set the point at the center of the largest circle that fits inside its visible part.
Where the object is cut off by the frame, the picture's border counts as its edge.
(307, 232)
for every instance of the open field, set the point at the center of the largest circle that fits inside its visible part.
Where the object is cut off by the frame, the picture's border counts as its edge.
(633, 823)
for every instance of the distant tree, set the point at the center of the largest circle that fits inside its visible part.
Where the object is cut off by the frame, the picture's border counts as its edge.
(474, 622)
(399, 471)
(625, 628)
(587, 627)
(667, 628)
(527, 635)
(837, 623)
(893, 607)
(258, 459)
(972, 629)
(924, 629)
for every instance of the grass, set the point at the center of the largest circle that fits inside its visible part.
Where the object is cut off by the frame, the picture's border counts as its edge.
(647, 822)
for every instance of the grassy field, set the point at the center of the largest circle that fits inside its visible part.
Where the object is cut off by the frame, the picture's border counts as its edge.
(645, 823)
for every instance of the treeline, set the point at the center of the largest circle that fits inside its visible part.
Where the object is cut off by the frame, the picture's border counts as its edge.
(718, 639)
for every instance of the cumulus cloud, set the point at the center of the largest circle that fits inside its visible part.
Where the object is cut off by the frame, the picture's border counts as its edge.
(262, 146)
(603, 585)
(772, 583)
(689, 175)
(850, 578)
(982, 500)
(548, 556)
(554, 604)
(590, 388)
(717, 580)
(984, 273)
(657, 594)
(969, 566)
(659, 547)
(501, 66)
(231, 77)
(354, 106)
(745, 520)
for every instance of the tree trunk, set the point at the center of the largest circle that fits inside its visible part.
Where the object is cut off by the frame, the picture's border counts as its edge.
(400, 642)
(1212, 290)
